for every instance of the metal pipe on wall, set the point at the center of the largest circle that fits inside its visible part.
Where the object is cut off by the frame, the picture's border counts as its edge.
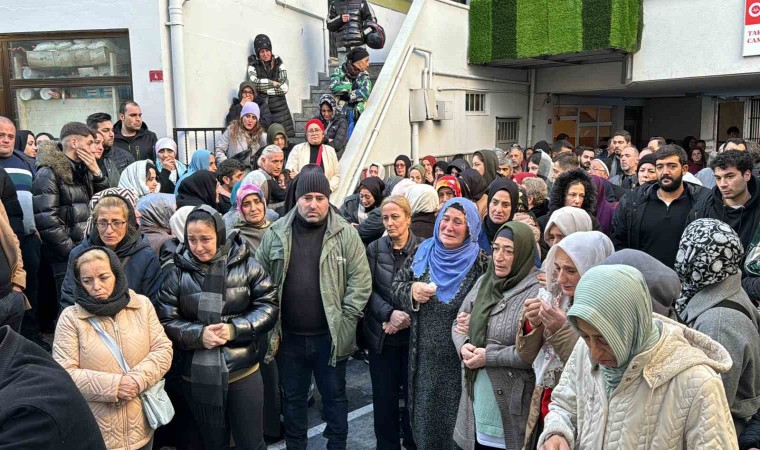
(176, 33)
(531, 105)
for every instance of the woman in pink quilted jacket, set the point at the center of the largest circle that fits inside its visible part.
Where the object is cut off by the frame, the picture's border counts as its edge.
(636, 381)
(102, 296)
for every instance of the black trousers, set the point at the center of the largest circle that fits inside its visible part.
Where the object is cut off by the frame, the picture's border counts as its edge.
(272, 400)
(245, 416)
(389, 371)
(30, 252)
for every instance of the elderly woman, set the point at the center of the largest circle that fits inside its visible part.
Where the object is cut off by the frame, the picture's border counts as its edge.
(503, 195)
(369, 195)
(712, 301)
(169, 168)
(635, 381)
(156, 211)
(484, 337)
(201, 160)
(386, 324)
(217, 305)
(105, 304)
(336, 127)
(447, 187)
(251, 206)
(424, 203)
(141, 177)
(564, 222)
(243, 137)
(431, 287)
(487, 164)
(401, 166)
(544, 337)
(313, 151)
(375, 169)
(114, 226)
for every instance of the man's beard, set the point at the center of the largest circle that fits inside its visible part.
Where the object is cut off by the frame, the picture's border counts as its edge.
(672, 187)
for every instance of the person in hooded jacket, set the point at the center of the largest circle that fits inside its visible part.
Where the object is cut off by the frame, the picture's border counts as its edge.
(247, 93)
(276, 135)
(487, 164)
(456, 167)
(114, 226)
(269, 77)
(713, 302)
(423, 199)
(336, 127)
(198, 189)
(351, 84)
(156, 211)
(217, 305)
(177, 225)
(629, 360)
(503, 196)
(386, 324)
(368, 197)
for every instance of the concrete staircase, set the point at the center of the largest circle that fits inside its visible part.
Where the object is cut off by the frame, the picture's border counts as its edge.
(310, 107)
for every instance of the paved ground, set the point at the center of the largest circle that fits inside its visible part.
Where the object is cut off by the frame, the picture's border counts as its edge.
(361, 435)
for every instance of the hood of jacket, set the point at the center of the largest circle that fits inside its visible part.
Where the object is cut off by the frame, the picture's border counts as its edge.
(273, 131)
(729, 289)
(680, 348)
(117, 132)
(52, 156)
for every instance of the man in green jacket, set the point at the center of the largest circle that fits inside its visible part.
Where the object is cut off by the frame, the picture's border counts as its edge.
(319, 264)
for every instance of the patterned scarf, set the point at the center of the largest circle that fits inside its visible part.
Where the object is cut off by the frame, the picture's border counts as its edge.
(209, 375)
(710, 251)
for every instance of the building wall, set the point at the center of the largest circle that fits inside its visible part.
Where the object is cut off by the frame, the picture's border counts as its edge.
(391, 21)
(673, 118)
(142, 18)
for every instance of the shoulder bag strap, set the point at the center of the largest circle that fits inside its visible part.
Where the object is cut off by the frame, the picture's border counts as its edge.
(112, 346)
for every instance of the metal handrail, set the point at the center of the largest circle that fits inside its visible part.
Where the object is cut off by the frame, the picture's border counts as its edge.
(183, 153)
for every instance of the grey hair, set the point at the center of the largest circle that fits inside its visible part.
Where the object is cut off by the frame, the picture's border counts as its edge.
(269, 150)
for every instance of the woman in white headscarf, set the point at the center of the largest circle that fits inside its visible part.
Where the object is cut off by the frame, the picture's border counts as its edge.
(141, 177)
(564, 222)
(375, 169)
(423, 199)
(177, 225)
(545, 337)
(169, 168)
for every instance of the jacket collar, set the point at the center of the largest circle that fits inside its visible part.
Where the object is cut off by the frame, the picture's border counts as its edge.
(335, 224)
(62, 166)
(134, 303)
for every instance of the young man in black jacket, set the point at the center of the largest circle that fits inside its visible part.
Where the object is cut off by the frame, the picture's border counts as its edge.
(132, 134)
(652, 217)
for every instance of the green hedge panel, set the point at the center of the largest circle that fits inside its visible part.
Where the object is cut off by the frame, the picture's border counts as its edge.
(481, 38)
(565, 27)
(532, 27)
(596, 23)
(503, 36)
(627, 24)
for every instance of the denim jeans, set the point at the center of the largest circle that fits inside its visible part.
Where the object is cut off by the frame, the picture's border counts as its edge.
(299, 357)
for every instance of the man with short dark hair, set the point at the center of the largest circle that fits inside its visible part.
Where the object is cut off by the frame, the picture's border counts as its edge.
(518, 158)
(131, 134)
(228, 172)
(318, 262)
(656, 142)
(620, 140)
(735, 199)
(563, 162)
(585, 155)
(560, 147)
(733, 132)
(101, 122)
(629, 161)
(735, 144)
(652, 217)
(65, 182)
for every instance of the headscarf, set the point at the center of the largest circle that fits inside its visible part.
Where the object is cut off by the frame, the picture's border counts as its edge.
(709, 252)
(119, 297)
(663, 283)
(380, 169)
(520, 177)
(135, 177)
(391, 183)
(431, 159)
(178, 220)
(402, 186)
(22, 137)
(604, 165)
(491, 164)
(615, 300)
(199, 161)
(251, 232)
(197, 189)
(545, 166)
(375, 186)
(493, 288)
(419, 168)
(128, 195)
(473, 184)
(330, 100)
(155, 214)
(569, 220)
(442, 164)
(170, 144)
(407, 162)
(451, 182)
(422, 198)
(604, 209)
(448, 267)
(256, 178)
(273, 131)
(586, 249)
(459, 164)
(500, 184)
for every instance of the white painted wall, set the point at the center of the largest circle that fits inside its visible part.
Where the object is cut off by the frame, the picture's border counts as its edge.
(391, 22)
(141, 17)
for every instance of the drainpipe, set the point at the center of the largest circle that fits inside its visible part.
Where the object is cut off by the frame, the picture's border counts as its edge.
(415, 142)
(176, 30)
(531, 96)
(427, 81)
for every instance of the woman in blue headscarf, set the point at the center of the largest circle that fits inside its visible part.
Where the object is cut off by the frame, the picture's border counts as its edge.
(431, 287)
(201, 160)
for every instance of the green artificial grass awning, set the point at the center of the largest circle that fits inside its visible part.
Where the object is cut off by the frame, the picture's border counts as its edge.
(512, 30)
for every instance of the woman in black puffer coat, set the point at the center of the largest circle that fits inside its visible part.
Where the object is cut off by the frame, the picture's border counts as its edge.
(266, 72)
(217, 304)
(386, 324)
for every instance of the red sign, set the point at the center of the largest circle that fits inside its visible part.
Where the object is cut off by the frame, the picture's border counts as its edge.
(156, 76)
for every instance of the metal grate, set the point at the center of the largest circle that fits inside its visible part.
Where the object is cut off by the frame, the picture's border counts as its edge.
(475, 103)
(191, 139)
(507, 132)
(753, 120)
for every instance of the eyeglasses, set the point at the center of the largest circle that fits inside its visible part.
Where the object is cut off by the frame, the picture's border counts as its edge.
(314, 131)
(116, 225)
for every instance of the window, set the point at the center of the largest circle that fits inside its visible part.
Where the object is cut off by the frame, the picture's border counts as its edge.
(507, 132)
(586, 125)
(752, 113)
(51, 79)
(475, 103)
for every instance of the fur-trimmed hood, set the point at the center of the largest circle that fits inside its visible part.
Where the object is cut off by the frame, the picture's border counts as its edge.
(50, 154)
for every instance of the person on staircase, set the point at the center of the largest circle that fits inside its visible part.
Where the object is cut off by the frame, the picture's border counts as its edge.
(336, 126)
(348, 19)
(350, 83)
(266, 72)
(247, 93)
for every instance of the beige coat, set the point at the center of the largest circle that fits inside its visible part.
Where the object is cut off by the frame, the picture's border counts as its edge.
(528, 346)
(299, 157)
(671, 397)
(80, 350)
(12, 250)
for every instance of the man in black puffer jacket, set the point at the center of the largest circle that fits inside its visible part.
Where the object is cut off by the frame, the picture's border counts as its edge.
(349, 18)
(67, 177)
